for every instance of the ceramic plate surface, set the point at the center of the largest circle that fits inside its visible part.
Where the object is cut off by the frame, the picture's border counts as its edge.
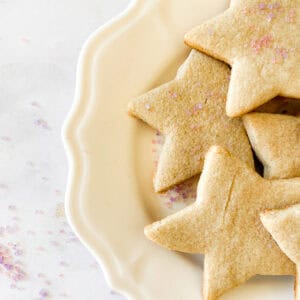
(110, 195)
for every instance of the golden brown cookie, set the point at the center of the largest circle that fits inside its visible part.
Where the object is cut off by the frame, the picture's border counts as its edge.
(261, 41)
(224, 223)
(276, 142)
(190, 112)
(284, 226)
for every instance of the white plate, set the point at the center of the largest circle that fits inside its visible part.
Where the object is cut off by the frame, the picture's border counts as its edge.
(110, 195)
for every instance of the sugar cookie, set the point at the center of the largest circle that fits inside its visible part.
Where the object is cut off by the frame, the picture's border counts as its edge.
(261, 41)
(190, 112)
(224, 224)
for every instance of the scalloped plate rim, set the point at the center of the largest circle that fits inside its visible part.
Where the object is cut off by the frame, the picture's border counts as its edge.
(72, 149)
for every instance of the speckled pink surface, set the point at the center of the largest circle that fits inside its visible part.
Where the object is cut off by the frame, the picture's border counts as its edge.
(40, 257)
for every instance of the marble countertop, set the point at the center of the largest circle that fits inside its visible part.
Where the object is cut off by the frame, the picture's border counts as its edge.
(40, 257)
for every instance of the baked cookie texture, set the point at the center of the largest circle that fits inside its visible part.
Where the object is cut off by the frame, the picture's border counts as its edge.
(276, 142)
(190, 112)
(284, 226)
(224, 223)
(261, 41)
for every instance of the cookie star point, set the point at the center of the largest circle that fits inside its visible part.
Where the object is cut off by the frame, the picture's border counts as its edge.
(190, 112)
(283, 224)
(261, 41)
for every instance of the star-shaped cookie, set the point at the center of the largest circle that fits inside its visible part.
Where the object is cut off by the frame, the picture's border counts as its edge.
(261, 41)
(190, 112)
(284, 226)
(224, 223)
(276, 142)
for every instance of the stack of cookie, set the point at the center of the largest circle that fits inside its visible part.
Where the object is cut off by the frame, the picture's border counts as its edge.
(213, 121)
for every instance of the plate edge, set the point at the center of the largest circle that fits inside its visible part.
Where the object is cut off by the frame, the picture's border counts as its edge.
(71, 142)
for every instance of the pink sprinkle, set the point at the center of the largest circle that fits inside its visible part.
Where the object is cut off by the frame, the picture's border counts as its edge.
(262, 6)
(11, 229)
(114, 293)
(18, 253)
(6, 138)
(25, 40)
(178, 188)
(8, 266)
(58, 192)
(19, 276)
(147, 106)
(34, 103)
(73, 240)
(42, 123)
(43, 293)
(173, 94)
(198, 106)
(270, 17)
(63, 264)
(282, 53)
(264, 42)
(195, 109)
(172, 199)
(54, 243)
